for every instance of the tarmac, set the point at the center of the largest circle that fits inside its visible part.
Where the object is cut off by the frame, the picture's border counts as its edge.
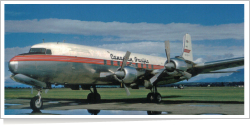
(125, 107)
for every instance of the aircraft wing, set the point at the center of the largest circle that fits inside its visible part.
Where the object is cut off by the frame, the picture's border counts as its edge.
(209, 67)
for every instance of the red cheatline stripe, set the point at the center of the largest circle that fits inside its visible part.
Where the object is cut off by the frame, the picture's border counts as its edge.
(74, 59)
(57, 58)
(186, 50)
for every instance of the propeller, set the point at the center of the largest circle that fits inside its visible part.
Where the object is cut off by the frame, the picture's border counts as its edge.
(124, 63)
(120, 72)
(169, 66)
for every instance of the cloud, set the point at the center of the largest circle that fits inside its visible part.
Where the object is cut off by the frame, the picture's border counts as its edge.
(199, 60)
(226, 51)
(208, 53)
(147, 48)
(121, 31)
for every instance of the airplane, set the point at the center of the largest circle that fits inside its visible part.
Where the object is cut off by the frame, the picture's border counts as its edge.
(78, 66)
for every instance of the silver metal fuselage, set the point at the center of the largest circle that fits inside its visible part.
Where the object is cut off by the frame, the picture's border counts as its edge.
(77, 64)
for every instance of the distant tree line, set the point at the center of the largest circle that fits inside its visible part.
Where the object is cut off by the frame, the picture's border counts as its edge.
(206, 84)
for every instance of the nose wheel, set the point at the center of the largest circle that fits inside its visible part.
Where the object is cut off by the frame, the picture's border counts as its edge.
(36, 103)
(94, 97)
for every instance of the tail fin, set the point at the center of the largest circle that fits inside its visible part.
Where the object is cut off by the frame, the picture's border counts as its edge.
(187, 53)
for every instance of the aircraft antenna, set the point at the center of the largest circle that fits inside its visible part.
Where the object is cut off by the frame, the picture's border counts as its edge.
(43, 40)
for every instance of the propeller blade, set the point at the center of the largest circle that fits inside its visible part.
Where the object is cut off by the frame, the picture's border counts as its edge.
(119, 74)
(126, 89)
(153, 79)
(167, 50)
(125, 59)
(105, 74)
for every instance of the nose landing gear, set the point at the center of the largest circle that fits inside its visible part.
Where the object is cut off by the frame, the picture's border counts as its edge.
(94, 97)
(36, 103)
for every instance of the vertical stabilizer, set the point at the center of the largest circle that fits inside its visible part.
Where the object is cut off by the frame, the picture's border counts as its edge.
(187, 53)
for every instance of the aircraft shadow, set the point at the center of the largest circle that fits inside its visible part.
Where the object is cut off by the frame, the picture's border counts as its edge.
(144, 100)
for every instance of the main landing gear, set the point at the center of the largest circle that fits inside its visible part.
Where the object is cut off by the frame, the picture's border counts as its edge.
(94, 97)
(154, 96)
(36, 103)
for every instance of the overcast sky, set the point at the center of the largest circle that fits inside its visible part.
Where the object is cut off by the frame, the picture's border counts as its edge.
(217, 31)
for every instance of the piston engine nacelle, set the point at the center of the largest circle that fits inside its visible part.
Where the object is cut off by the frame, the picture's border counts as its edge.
(177, 64)
(128, 74)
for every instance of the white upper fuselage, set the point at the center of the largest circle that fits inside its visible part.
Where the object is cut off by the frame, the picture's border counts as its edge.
(67, 49)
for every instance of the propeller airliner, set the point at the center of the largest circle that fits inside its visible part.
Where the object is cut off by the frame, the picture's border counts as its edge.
(82, 67)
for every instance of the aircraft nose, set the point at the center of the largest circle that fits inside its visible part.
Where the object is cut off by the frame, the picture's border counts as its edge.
(13, 65)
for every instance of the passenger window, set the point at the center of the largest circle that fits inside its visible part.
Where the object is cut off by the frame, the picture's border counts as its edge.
(136, 65)
(112, 63)
(48, 51)
(105, 62)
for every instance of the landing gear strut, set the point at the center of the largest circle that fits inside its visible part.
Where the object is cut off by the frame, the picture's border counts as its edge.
(154, 96)
(36, 103)
(94, 97)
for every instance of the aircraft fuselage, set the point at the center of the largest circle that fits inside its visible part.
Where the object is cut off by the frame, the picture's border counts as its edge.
(77, 64)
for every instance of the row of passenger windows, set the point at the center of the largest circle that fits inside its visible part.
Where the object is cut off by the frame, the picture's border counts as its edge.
(119, 63)
(40, 51)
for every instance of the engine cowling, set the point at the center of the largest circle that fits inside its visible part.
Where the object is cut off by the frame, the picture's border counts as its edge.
(177, 64)
(128, 74)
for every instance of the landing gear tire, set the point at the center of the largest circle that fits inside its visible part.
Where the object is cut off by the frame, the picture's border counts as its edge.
(154, 97)
(150, 97)
(157, 97)
(35, 104)
(94, 98)
(154, 112)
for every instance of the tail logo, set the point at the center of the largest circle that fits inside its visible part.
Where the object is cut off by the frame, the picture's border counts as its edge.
(187, 50)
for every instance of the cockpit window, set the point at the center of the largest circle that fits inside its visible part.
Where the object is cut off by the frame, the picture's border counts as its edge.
(37, 50)
(48, 51)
